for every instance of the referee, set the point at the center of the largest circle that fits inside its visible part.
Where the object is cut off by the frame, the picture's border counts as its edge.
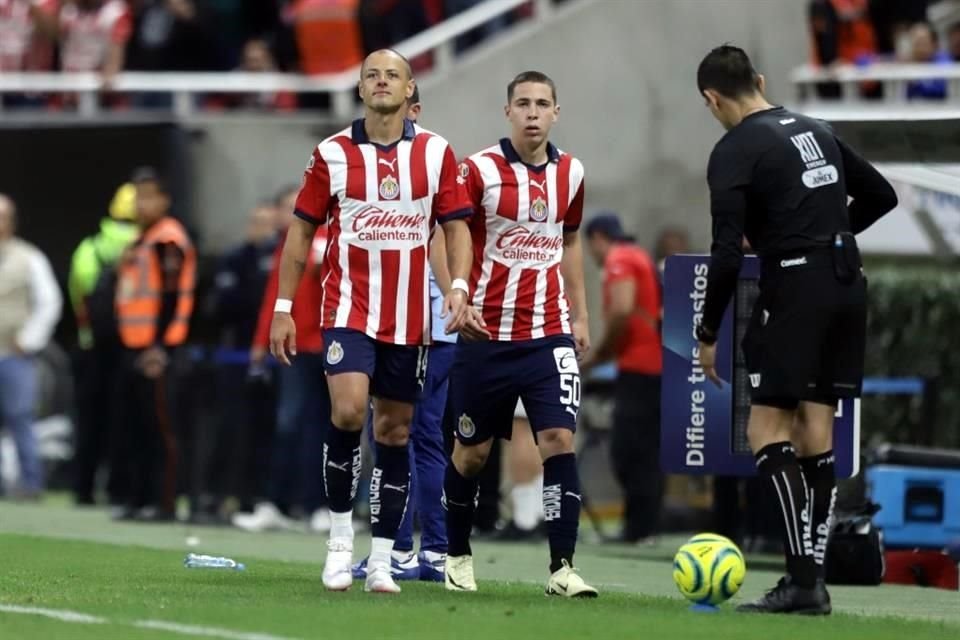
(783, 180)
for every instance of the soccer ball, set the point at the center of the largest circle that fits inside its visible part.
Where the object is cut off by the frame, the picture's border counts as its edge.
(709, 569)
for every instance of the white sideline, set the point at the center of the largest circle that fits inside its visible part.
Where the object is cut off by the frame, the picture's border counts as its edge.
(65, 615)
(213, 632)
(57, 614)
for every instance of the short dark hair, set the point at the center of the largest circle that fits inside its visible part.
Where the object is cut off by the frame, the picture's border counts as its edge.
(531, 76)
(142, 175)
(406, 62)
(728, 71)
(608, 225)
(415, 96)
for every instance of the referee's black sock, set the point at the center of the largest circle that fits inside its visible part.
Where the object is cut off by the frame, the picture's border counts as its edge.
(561, 507)
(777, 462)
(821, 478)
(459, 501)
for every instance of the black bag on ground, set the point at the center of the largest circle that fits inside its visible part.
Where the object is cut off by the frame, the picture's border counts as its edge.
(855, 551)
(855, 548)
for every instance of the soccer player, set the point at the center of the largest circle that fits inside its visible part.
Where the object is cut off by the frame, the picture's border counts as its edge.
(529, 202)
(380, 184)
(428, 458)
(783, 180)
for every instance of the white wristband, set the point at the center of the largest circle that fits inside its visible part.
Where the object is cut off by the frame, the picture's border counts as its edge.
(283, 305)
(460, 284)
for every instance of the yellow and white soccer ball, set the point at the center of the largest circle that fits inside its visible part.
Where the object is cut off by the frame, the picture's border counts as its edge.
(709, 569)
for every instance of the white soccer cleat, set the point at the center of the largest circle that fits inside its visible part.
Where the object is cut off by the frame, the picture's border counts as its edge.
(379, 580)
(458, 574)
(566, 582)
(336, 571)
(265, 517)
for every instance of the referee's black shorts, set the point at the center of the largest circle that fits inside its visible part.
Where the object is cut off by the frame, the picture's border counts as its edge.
(807, 335)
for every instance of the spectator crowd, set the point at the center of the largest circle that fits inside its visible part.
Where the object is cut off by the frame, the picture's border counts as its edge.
(867, 32)
(255, 36)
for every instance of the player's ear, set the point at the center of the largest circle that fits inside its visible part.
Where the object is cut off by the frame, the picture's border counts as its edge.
(506, 110)
(712, 98)
(556, 112)
(761, 83)
(411, 85)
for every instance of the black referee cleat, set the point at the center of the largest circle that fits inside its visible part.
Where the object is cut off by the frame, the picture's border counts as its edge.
(789, 598)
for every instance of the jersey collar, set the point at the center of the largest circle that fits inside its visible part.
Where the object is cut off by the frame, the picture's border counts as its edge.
(553, 154)
(359, 135)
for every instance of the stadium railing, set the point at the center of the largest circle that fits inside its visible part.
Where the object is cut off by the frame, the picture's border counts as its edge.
(438, 40)
(893, 76)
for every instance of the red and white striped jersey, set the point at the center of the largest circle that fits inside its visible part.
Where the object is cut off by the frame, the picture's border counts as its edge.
(22, 48)
(380, 203)
(89, 33)
(522, 213)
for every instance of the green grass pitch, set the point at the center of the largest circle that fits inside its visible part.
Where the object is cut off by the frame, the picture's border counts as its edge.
(127, 581)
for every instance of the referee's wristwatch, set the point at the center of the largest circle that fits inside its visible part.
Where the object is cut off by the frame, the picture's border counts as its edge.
(706, 336)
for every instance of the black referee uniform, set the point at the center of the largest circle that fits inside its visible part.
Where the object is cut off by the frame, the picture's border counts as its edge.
(782, 181)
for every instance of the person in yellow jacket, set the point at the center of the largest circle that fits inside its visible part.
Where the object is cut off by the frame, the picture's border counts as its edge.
(154, 302)
(96, 254)
(91, 287)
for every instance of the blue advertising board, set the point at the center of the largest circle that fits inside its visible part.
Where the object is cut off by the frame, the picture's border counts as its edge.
(703, 427)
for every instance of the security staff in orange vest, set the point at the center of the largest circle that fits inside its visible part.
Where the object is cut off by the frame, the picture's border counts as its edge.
(154, 301)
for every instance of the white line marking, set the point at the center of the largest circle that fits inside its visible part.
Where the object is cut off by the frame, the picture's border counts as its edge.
(212, 632)
(786, 517)
(65, 615)
(793, 515)
(56, 614)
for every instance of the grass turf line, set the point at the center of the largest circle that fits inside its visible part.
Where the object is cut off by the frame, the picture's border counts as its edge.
(125, 584)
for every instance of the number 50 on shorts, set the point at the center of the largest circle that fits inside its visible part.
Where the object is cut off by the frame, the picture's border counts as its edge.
(566, 359)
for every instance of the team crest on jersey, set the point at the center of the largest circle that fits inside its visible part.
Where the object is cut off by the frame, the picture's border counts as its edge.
(389, 188)
(538, 210)
(463, 171)
(465, 426)
(334, 353)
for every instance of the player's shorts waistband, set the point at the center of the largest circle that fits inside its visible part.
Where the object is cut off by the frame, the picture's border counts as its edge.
(811, 258)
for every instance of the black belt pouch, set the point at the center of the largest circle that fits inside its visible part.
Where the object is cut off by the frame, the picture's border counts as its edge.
(846, 257)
